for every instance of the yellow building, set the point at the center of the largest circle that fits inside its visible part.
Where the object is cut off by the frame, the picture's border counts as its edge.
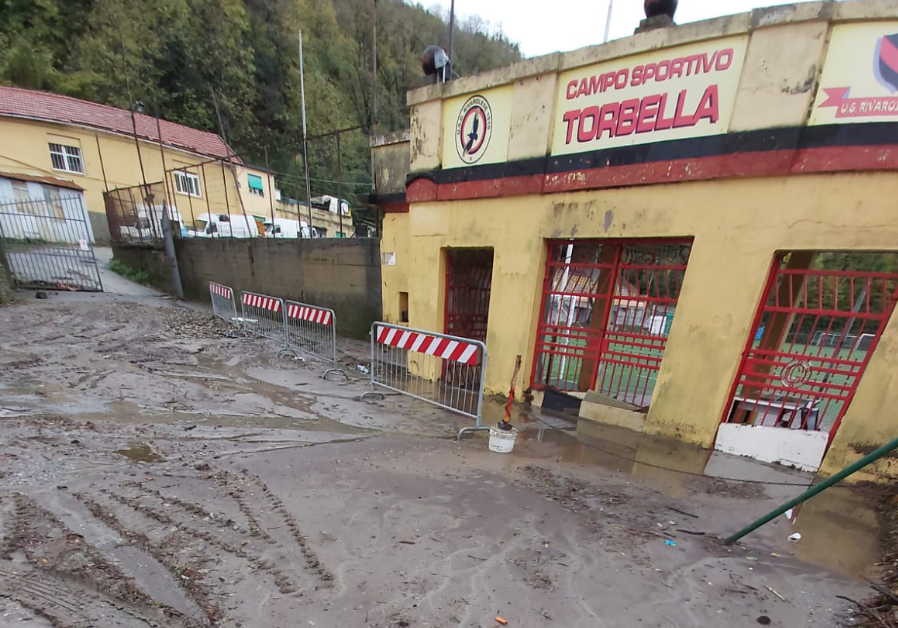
(93, 146)
(691, 229)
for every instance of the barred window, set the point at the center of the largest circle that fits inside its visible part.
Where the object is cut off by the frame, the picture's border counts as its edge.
(66, 158)
(187, 183)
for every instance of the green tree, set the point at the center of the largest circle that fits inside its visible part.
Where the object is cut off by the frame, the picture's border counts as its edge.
(174, 55)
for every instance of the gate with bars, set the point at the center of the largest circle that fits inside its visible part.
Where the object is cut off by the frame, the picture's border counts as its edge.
(606, 311)
(813, 335)
(47, 244)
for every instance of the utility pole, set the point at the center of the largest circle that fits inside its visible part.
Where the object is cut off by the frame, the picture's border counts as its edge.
(131, 105)
(374, 69)
(607, 21)
(231, 166)
(305, 141)
(451, 28)
(340, 188)
(168, 239)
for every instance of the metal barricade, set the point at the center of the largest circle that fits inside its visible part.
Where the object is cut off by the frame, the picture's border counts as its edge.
(263, 316)
(223, 305)
(446, 371)
(312, 330)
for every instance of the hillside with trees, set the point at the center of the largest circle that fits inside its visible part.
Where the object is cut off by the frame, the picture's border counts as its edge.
(179, 57)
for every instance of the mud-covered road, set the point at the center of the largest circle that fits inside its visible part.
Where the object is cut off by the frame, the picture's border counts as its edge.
(156, 472)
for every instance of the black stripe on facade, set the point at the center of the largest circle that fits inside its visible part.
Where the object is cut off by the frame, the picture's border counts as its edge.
(785, 138)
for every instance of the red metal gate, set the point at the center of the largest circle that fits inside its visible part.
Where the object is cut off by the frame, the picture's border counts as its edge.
(813, 336)
(605, 315)
(469, 277)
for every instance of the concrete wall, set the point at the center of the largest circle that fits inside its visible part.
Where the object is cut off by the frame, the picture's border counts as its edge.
(343, 275)
(390, 162)
(110, 161)
(147, 258)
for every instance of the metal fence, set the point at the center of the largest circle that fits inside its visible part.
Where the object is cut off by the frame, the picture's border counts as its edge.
(607, 309)
(311, 330)
(223, 305)
(263, 316)
(134, 214)
(47, 244)
(814, 333)
(446, 371)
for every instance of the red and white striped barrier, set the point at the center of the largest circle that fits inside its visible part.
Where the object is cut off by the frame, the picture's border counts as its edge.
(264, 316)
(446, 371)
(312, 330)
(258, 300)
(310, 314)
(223, 305)
(456, 350)
(221, 290)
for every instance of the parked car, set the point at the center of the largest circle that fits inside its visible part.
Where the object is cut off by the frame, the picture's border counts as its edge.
(148, 224)
(224, 226)
(286, 228)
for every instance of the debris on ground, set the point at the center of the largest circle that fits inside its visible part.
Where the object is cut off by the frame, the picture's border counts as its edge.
(156, 472)
(882, 609)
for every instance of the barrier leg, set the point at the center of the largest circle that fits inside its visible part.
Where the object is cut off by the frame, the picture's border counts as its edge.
(471, 428)
(335, 370)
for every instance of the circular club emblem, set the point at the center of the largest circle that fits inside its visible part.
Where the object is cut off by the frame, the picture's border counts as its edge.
(473, 129)
(796, 373)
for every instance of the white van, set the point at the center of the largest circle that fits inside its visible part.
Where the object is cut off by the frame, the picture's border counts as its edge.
(224, 226)
(286, 228)
(148, 225)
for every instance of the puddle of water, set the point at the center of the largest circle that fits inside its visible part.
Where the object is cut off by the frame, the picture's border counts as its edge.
(140, 452)
(839, 527)
(839, 530)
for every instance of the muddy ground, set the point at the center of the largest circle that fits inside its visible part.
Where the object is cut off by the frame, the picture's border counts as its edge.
(156, 472)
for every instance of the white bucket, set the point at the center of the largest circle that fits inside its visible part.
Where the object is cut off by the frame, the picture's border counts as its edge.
(501, 441)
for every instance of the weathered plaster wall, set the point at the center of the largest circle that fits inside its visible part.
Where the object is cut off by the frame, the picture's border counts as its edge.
(738, 225)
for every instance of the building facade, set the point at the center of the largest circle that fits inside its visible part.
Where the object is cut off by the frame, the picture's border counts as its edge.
(690, 229)
(93, 146)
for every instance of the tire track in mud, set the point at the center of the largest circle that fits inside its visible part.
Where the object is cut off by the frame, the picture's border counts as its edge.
(285, 584)
(194, 590)
(232, 482)
(67, 580)
(236, 487)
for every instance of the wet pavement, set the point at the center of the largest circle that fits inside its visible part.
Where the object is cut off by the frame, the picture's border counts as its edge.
(154, 470)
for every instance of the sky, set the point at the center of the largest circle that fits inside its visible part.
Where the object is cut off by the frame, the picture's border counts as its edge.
(570, 24)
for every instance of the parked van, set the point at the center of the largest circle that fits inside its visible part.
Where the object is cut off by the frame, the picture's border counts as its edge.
(286, 228)
(148, 225)
(224, 226)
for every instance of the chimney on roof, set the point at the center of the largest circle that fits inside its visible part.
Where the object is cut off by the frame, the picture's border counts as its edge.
(658, 14)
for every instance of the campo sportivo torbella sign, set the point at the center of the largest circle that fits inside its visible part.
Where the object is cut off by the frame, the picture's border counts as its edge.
(675, 93)
(859, 82)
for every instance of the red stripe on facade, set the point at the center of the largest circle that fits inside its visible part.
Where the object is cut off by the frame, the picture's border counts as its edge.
(851, 158)
(491, 188)
(735, 165)
(752, 164)
(395, 208)
(421, 190)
